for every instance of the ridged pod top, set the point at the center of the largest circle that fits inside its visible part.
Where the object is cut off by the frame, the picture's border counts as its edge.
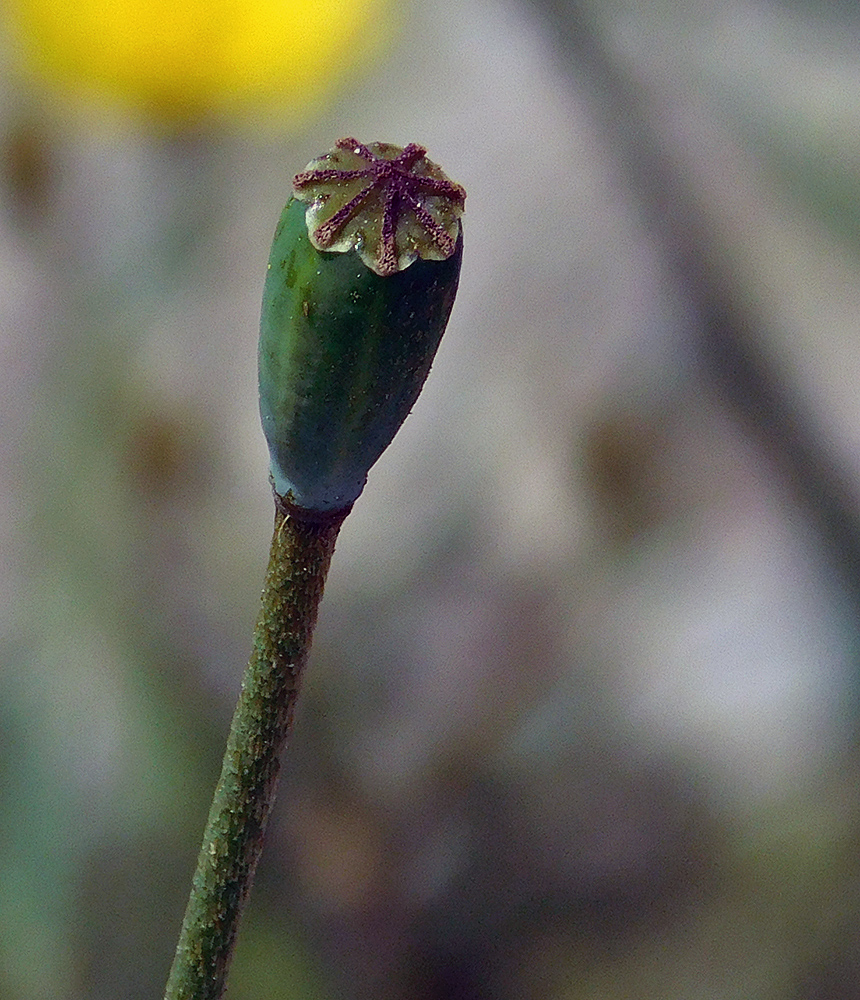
(391, 204)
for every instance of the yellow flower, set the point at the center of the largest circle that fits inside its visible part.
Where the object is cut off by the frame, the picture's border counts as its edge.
(182, 59)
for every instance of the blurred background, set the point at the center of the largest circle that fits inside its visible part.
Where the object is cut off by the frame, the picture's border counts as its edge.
(581, 716)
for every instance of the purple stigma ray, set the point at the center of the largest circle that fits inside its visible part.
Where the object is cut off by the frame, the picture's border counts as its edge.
(321, 176)
(356, 147)
(386, 255)
(327, 232)
(437, 233)
(391, 191)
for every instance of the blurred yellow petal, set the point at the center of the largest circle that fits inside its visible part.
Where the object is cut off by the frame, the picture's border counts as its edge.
(183, 59)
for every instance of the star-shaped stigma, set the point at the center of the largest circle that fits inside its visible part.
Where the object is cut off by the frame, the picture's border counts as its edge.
(392, 205)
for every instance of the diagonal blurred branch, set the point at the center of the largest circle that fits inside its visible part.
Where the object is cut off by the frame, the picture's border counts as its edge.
(731, 347)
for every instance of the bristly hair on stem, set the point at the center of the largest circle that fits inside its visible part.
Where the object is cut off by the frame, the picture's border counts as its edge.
(299, 559)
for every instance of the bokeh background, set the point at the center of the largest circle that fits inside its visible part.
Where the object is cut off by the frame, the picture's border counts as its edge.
(581, 716)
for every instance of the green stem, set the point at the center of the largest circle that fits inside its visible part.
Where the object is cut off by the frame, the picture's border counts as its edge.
(298, 563)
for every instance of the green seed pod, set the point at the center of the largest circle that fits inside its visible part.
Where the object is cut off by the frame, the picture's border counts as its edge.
(360, 284)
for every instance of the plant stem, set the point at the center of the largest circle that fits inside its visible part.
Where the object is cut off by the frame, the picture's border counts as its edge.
(298, 563)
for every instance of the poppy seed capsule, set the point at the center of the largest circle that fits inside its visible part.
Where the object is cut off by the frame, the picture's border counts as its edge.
(360, 284)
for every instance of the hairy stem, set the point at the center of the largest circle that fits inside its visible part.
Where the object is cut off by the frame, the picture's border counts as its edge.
(298, 563)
